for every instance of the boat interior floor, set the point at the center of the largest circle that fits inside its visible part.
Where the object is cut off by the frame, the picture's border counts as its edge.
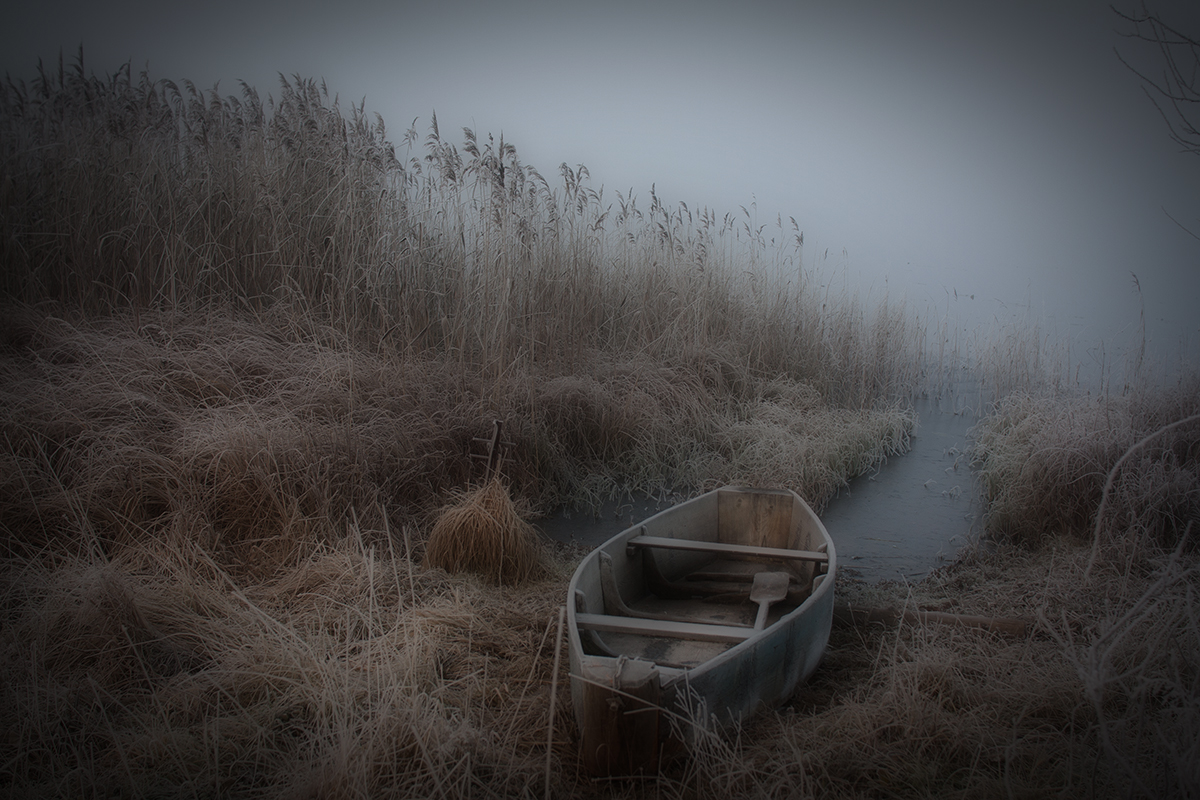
(683, 623)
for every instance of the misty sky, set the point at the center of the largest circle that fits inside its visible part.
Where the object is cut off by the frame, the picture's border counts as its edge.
(998, 150)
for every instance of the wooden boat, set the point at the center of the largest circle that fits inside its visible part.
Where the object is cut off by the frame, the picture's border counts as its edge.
(695, 618)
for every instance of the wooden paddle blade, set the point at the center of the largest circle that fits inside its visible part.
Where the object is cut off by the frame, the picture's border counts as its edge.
(768, 588)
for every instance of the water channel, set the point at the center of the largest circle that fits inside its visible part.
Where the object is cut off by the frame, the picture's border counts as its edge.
(897, 523)
(916, 510)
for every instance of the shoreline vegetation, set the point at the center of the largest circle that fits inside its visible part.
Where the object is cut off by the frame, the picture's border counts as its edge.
(246, 349)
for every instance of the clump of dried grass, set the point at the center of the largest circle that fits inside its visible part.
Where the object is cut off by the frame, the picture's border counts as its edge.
(787, 439)
(482, 532)
(1045, 461)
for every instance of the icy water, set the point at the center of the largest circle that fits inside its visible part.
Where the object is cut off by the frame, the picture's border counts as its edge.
(917, 510)
(897, 523)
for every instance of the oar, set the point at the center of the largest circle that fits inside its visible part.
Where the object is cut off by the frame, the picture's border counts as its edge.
(768, 588)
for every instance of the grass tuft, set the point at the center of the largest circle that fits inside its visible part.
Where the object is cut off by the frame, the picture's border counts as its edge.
(481, 532)
(1045, 463)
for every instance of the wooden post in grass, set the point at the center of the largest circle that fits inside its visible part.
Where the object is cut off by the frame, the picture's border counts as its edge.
(495, 449)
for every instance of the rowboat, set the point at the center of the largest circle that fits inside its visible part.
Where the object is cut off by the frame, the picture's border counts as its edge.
(694, 620)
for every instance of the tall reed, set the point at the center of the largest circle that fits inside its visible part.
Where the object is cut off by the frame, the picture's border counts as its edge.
(123, 191)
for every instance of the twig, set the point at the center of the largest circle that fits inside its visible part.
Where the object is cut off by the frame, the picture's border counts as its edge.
(1185, 229)
(1112, 476)
(562, 613)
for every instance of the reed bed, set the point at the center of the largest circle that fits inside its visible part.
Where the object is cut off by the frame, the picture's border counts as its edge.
(122, 191)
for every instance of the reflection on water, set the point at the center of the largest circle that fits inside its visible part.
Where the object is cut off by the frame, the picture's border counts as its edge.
(897, 523)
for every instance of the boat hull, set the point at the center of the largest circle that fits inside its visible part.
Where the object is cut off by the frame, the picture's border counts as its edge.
(662, 646)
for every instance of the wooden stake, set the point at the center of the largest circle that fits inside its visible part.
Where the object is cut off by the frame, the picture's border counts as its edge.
(562, 613)
(495, 448)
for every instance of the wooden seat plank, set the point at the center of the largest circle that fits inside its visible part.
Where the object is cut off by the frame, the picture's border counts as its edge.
(696, 631)
(747, 551)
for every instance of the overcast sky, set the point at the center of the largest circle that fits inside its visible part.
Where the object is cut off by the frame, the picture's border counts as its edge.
(998, 150)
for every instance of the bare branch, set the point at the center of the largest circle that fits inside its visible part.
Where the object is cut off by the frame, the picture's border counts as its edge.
(1178, 88)
(1185, 228)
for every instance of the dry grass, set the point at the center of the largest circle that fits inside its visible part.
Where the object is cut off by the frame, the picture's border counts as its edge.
(1045, 462)
(1089, 705)
(158, 674)
(1122, 479)
(214, 528)
(482, 532)
(260, 424)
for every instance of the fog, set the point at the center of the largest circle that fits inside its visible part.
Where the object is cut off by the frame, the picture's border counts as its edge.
(988, 165)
